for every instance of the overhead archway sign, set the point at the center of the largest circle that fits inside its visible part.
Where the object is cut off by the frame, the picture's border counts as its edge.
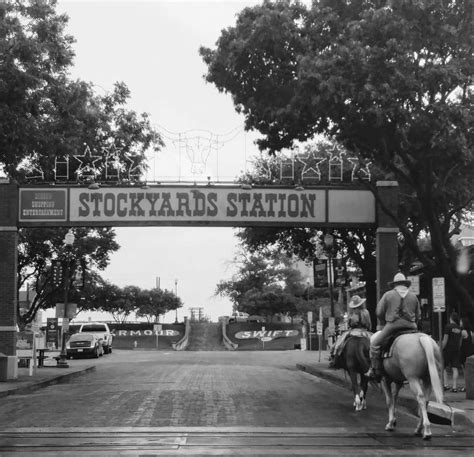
(194, 205)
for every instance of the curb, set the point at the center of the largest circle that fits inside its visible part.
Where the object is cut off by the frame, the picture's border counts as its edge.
(20, 390)
(438, 413)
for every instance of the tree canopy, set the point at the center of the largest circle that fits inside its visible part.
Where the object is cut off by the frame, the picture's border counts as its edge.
(390, 81)
(46, 117)
(267, 283)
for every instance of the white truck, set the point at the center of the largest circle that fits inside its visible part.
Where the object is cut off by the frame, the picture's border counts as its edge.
(102, 331)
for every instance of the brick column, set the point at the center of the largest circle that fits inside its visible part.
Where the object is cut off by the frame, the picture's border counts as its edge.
(8, 278)
(386, 238)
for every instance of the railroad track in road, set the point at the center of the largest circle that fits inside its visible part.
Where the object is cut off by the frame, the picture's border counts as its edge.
(196, 441)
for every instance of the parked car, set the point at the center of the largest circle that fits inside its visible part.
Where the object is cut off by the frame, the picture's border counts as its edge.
(84, 344)
(239, 317)
(102, 331)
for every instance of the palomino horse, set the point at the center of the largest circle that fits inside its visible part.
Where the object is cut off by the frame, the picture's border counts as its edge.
(416, 358)
(354, 359)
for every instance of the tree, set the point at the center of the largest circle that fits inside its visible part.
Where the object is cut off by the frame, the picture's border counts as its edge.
(390, 81)
(266, 283)
(307, 244)
(151, 304)
(38, 250)
(120, 303)
(44, 114)
(44, 117)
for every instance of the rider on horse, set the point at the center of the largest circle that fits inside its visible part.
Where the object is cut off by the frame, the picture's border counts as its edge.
(358, 317)
(398, 309)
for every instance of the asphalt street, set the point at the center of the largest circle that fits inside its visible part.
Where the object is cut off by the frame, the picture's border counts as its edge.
(203, 403)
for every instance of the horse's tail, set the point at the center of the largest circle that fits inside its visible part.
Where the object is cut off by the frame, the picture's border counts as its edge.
(427, 344)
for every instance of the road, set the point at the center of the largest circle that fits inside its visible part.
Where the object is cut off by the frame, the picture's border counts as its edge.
(207, 403)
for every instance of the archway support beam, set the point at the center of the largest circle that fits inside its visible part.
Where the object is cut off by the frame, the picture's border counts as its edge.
(8, 280)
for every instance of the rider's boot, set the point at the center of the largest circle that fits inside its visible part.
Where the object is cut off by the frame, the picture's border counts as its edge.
(375, 371)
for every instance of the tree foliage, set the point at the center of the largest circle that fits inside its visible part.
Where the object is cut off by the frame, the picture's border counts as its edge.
(390, 81)
(44, 116)
(266, 283)
(153, 303)
(38, 249)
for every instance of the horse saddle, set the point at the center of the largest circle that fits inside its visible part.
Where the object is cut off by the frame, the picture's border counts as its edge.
(360, 332)
(387, 349)
(357, 332)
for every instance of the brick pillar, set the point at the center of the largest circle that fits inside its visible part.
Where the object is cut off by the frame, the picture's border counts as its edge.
(386, 238)
(8, 277)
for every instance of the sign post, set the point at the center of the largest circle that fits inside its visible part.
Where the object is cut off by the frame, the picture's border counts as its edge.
(52, 333)
(319, 331)
(415, 284)
(439, 303)
(310, 328)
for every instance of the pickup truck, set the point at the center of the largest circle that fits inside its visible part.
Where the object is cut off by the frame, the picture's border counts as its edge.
(102, 331)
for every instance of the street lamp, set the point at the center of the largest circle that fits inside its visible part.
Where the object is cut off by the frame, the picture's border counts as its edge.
(68, 242)
(329, 245)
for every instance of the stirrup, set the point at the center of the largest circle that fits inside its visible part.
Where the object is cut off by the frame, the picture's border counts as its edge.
(373, 374)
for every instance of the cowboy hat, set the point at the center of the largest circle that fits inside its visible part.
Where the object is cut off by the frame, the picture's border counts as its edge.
(356, 301)
(400, 280)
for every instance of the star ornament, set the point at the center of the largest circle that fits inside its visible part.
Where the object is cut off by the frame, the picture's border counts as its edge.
(133, 167)
(87, 168)
(33, 171)
(310, 166)
(360, 170)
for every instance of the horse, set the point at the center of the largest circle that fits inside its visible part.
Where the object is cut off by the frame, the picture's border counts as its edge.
(354, 359)
(416, 358)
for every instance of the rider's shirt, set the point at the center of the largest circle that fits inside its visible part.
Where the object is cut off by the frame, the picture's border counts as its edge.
(360, 318)
(392, 307)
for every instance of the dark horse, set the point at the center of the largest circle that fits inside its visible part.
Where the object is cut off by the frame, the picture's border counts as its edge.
(355, 360)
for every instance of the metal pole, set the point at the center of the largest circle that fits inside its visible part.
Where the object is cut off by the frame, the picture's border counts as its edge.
(309, 323)
(331, 285)
(62, 362)
(440, 335)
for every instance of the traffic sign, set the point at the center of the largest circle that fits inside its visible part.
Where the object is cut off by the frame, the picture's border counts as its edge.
(439, 301)
(332, 325)
(415, 284)
(319, 328)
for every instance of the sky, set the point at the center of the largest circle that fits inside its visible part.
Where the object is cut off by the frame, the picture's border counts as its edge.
(153, 46)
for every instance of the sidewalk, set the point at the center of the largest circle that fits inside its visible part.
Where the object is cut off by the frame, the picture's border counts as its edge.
(45, 376)
(456, 406)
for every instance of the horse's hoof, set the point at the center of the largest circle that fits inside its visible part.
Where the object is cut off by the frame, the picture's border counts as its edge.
(418, 433)
(389, 428)
(427, 437)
